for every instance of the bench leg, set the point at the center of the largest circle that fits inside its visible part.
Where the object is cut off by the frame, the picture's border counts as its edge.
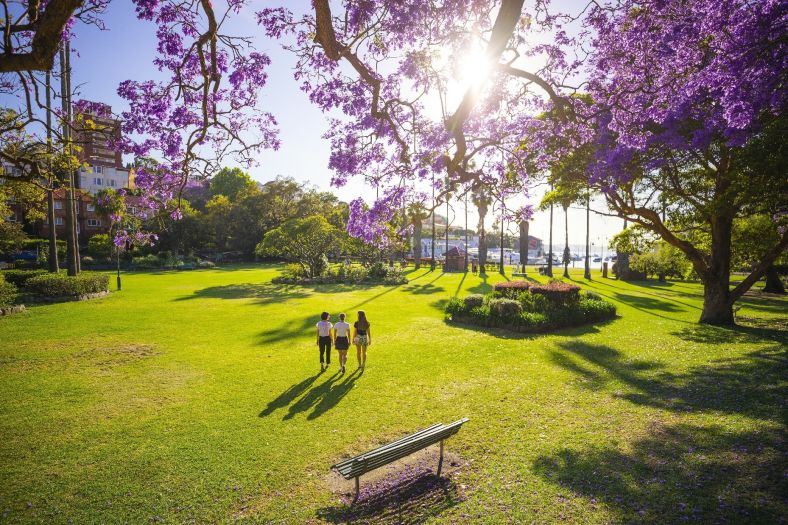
(355, 497)
(440, 461)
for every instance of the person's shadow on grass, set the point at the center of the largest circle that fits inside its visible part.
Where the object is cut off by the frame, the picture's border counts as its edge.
(332, 398)
(289, 395)
(312, 397)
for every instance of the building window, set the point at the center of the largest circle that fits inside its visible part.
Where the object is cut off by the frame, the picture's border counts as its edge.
(91, 207)
(94, 223)
(58, 205)
(97, 181)
(111, 182)
(58, 221)
(97, 169)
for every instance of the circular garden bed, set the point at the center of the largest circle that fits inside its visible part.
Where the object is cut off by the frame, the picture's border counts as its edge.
(524, 306)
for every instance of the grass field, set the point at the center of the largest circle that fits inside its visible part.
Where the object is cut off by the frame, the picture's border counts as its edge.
(196, 397)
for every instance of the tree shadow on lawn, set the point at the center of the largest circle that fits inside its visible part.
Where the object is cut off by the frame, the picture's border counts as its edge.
(413, 497)
(755, 330)
(661, 297)
(503, 333)
(752, 385)
(483, 287)
(263, 293)
(680, 473)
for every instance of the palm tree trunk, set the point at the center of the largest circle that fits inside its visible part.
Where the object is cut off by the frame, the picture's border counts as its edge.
(587, 273)
(567, 253)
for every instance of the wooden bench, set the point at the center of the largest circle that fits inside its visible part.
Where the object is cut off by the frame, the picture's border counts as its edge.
(357, 466)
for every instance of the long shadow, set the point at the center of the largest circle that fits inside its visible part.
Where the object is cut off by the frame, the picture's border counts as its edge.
(483, 287)
(412, 497)
(289, 395)
(752, 385)
(290, 329)
(334, 395)
(459, 285)
(503, 333)
(680, 473)
(658, 296)
(263, 293)
(623, 299)
(646, 303)
(754, 331)
(312, 397)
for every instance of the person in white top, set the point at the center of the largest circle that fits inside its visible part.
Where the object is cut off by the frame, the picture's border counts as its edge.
(324, 329)
(342, 341)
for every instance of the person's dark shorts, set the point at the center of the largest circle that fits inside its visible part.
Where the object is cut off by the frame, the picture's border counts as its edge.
(342, 343)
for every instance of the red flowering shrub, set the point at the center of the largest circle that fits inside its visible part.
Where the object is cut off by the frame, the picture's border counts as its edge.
(557, 291)
(511, 289)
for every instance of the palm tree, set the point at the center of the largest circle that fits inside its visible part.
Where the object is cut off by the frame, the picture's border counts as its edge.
(417, 213)
(567, 254)
(482, 202)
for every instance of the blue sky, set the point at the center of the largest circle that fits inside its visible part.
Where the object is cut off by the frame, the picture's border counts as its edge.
(125, 50)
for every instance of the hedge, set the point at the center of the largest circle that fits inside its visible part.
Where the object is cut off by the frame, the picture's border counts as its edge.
(505, 308)
(557, 291)
(20, 277)
(511, 289)
(60, 285)
(8, 293)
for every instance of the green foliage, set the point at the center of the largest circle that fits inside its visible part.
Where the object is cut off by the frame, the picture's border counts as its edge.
(61, 285)
(507, 309)
(664, 260)
(232, 183)
(100, 246)
(306, 241)
(8, 293)
(20, 277)
(511, 289)
(634, 239)
(473, 301)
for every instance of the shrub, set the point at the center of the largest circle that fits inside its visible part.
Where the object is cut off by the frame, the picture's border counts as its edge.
(456, 306)
(532, 302)
(59, 284)
(294, 271)
(146, 261)
(100, 246)
(394, 275)
(8, 293)
(511, 289)
(505, 308)
(533, 320)
(19, 278)
(596, 310)
(592, 295)
(473, 301)
(377, 270)
(557, 292)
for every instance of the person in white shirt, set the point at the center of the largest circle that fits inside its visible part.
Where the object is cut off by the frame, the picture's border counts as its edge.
(324, 339)
(342, 341)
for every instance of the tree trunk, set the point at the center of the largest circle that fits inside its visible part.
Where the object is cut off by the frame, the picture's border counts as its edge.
(524, 244)
(550, 247)
(417, 243)
(773, 282)
(717, 303)
(567, 253)
(587, 273)
(54, 267)
(482, 241)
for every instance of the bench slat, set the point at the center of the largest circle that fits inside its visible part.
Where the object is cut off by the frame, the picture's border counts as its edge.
(380, 456)
(392, 444)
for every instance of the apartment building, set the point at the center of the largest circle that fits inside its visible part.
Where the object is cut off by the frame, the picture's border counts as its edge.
(89, 223)
(102, 167)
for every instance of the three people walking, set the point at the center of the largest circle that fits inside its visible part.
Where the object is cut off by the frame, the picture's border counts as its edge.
(340, 336)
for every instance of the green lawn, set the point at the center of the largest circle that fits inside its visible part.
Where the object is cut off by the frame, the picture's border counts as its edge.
(195, 397)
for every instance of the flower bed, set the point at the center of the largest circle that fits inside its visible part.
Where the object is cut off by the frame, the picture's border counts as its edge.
(524, 307)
